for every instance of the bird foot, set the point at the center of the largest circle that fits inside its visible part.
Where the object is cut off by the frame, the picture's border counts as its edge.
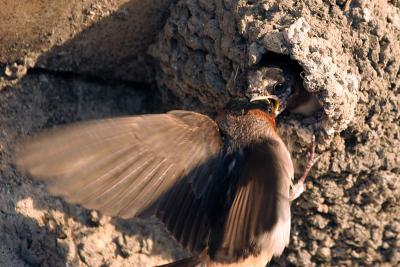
(297, 189)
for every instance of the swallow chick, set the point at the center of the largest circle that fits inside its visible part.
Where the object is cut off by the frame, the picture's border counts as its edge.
(285, 81)
(222, 187)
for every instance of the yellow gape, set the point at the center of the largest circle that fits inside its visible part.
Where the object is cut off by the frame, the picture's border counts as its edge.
(268, 98)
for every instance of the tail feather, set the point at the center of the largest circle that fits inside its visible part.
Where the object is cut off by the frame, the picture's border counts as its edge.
(187, 262)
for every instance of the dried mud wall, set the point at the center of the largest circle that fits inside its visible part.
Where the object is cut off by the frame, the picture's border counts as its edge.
(106, 38)
(350, 55)
(77, 60)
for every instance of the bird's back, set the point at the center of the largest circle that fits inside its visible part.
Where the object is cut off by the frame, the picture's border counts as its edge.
(254, 224)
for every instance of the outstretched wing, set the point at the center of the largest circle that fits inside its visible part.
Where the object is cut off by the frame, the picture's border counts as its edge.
(122, 166)
(258, 220)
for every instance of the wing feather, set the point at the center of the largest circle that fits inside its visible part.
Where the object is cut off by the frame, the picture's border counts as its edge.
(184, 217)
(260, 211)
(122, 166)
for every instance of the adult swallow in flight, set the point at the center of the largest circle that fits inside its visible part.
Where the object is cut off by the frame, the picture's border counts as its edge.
(221, 187)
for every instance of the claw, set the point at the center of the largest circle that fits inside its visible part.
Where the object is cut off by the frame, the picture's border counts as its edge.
(311, 160)
(298, 188)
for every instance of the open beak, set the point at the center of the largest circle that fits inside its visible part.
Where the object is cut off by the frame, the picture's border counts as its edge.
(269, 98)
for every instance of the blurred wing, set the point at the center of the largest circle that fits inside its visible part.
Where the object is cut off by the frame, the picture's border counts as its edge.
(184, 217)
(121, 166)
(259, 217)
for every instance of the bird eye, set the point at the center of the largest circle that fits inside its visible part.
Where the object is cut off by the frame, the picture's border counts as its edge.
(279, 87)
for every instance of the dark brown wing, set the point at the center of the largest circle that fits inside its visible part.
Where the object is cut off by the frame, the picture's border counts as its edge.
(259, 217)
(184, 217)
(121, 166)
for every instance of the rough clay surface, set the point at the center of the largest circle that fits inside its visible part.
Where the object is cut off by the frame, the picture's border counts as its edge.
(107, 38)
(39, 230)
(350, 54)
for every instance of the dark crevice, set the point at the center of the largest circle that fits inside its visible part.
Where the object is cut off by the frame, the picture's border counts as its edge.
(271, 59)
(87, 77)
(350, 140)
(120, 96)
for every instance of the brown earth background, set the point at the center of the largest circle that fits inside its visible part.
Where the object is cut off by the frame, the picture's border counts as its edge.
(70, 60)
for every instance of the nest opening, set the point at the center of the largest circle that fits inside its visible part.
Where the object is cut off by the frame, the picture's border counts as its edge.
(303, 102)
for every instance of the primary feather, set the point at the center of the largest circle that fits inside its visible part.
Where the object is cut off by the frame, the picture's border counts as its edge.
(121, 166)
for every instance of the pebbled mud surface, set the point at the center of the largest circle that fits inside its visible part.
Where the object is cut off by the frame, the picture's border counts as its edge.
(107, 38)
(350, 54)
(39, 230)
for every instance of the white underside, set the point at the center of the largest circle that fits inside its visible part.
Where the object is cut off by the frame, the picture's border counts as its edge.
(274, 242)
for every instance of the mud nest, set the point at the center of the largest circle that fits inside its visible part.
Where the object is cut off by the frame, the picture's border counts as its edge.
(348, 52)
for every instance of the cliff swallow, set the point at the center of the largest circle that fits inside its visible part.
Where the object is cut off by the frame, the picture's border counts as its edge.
(221, 187)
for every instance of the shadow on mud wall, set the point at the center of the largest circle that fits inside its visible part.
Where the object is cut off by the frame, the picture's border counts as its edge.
(41, 101)
(38, 229)
(115, 46)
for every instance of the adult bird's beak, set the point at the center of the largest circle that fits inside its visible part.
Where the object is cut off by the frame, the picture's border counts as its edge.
(269, 98)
